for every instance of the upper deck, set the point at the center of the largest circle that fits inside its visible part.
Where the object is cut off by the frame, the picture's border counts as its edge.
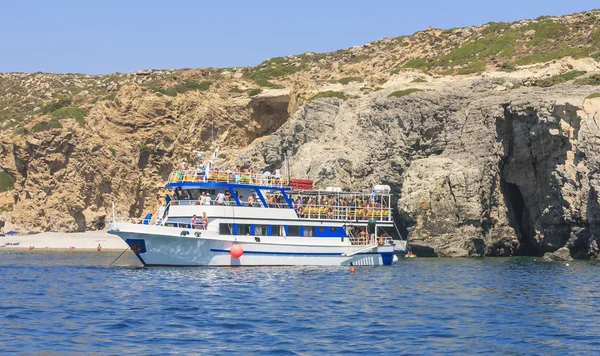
(194, 177)
(268, 191)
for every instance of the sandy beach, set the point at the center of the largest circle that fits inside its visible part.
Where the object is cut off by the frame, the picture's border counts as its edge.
(83, 241)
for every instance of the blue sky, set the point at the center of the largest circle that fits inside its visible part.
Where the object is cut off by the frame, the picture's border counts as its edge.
(90, 36)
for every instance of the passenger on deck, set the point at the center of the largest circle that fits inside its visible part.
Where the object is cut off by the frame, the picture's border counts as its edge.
(202, 197)
(241, 199)
(251, 200)
(330, 210)
(207, 199)
(193, 222)
(167, 203)
(277, 175)
(300, 210)
(237, 174)
(384, 235)
(362, 237)
(364, 213)
(204, 221)
(271, 202)
(220, 198)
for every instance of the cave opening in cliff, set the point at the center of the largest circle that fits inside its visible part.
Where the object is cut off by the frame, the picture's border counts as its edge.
(270, 113)
(519, 217)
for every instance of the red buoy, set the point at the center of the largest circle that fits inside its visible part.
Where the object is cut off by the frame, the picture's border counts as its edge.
(351, 269)
(236, 251)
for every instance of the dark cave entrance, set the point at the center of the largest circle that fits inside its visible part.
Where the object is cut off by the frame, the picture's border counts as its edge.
(519, 217)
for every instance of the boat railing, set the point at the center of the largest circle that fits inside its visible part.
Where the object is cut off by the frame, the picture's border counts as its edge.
(114, 222)
(225, 203)
(321, 212)
(344, 212)
(195, 176)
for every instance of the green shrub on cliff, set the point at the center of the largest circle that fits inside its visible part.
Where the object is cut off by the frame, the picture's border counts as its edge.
(110, 97)
(7, 182)
(508, 66)
(55, 105)
(269, 69)
(46, 125)
(417, 63)
(253, 92)
(593, 79)
(592, 96)
(596, 37)
(472, 67)
(328, 94)
(265, 83)
(347, 80)
(544, 30)
(557, 79)
(78, 114)
(188, 85)
(405, 92)
(550, 56)
(487, 46)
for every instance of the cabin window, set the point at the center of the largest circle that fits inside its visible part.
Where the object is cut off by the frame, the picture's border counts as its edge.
(321, 228)
(260, 230)
(309, 231)
(332, 229)
(224, 229)
(293, 230)
(277, 230)
(243, 229)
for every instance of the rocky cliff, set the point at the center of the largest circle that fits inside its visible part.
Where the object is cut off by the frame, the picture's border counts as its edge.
(487, 135)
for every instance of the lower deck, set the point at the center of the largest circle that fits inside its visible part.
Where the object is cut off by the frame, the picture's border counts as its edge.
(161, 245)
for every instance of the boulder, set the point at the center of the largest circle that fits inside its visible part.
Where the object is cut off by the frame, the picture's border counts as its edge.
(562, 254)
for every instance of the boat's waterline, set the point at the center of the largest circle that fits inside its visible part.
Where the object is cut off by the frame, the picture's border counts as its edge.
(164, 246)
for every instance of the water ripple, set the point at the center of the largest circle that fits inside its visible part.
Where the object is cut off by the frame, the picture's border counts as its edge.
(72, 303)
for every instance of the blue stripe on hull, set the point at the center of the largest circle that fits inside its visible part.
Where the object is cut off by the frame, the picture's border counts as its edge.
(384, 255)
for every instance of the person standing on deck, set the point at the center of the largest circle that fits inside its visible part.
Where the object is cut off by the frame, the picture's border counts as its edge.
(204, 221)
(167, 202)
(220, 198)
(277, 175)
(193, 222)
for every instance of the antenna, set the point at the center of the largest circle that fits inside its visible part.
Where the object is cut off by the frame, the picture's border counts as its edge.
(289, 171)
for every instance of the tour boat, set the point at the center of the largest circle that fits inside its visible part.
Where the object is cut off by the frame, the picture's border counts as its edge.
(262, 220)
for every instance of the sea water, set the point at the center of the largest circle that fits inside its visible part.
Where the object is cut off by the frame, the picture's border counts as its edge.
(54, 303)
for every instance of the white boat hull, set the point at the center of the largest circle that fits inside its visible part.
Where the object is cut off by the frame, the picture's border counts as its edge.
(164, 246)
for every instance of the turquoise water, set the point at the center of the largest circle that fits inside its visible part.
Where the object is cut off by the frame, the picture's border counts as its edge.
(73, 303)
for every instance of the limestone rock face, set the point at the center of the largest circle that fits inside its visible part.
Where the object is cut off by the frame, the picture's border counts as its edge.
(66, 179)
(476, 174)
